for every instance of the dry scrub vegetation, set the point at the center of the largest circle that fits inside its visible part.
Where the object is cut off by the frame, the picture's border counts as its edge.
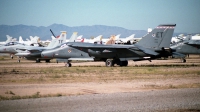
(28, 72)
(94, 74)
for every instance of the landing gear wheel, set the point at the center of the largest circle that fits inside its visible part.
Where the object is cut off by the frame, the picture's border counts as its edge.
(48, 61)
(37, 60)
(11, 56)
(68, 64)
(183, 60)
(109, 63)
(123, 63)
(18, 61)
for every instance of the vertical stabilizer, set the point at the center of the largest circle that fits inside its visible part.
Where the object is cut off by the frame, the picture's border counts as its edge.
(159, 37)
(117, 37)
(131, 37)
(98, 38)
(58, 41)
(21, 40)
(9, 39)
(31, 37)
(111, 40)
(61, 39)
(73, 37)
(51, 44)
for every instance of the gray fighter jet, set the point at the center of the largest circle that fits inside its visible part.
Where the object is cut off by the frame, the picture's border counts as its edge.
(153, 45)
(34, 52)
(186, 47)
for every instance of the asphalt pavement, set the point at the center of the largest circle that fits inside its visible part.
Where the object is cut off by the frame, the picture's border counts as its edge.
(145, 101)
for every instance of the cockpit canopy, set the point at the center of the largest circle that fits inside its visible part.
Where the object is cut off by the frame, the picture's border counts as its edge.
(13, 43)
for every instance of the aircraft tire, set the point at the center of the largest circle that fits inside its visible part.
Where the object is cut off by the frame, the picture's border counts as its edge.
(68, 64)
(123, 63)
(48, 61)
(37, 60)
(183, 60)
(109, 63)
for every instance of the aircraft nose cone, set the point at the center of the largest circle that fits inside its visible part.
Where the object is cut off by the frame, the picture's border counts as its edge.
(3, 50)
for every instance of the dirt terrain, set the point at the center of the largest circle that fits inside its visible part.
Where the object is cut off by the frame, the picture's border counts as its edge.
(54, 79)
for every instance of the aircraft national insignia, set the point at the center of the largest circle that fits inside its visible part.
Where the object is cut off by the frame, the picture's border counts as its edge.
(153, 35)
(69, 51)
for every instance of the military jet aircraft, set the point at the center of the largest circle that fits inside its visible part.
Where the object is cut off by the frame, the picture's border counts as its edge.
(34, 53)
(10, 48)
(186, 47)
(151, 46)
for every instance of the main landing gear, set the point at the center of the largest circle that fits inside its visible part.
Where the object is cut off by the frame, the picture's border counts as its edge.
(112, 62)
(19, 58)
(11, 56)
(68, 64)
(37, 60)
(183, 60)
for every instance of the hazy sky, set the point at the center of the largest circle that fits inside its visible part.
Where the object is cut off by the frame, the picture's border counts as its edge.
(129, 14)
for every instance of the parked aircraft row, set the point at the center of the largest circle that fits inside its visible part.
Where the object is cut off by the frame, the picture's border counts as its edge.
(153, 45)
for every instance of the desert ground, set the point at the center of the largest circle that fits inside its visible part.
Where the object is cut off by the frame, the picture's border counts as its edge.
(35, 80)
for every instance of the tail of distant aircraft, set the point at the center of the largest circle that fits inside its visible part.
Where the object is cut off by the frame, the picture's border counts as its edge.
(51, 44)
(58, 41)
(35, 39)
(9, 39)
(160, 37)
(21, 40)
(98, 38)
(117, 37)
(112, 39)
(31, 37)
(61, 39)
(131, 37)
(73, 37)
(80, 39)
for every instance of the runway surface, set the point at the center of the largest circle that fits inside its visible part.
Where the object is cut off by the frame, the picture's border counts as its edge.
(159, 100)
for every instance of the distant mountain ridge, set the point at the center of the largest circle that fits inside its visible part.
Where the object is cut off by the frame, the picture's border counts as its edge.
(44, 32)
